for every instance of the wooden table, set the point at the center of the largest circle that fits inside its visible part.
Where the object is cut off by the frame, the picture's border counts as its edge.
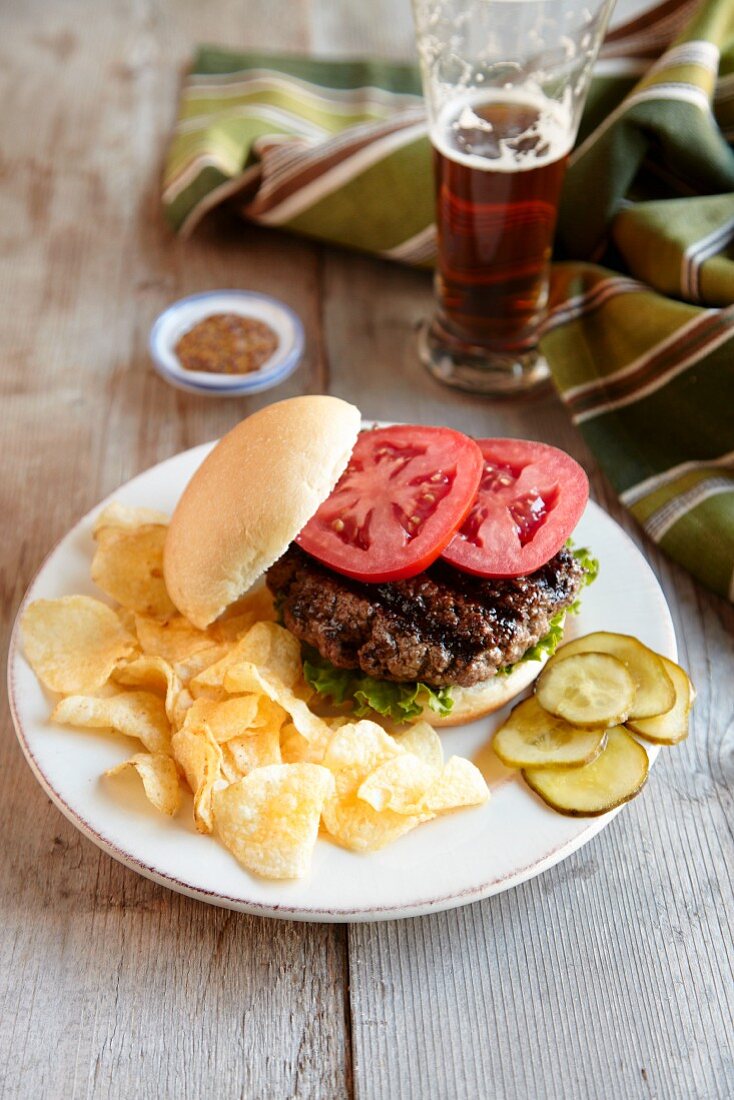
(609, 976)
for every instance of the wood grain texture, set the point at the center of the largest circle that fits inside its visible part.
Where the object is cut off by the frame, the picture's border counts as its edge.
(612, 974)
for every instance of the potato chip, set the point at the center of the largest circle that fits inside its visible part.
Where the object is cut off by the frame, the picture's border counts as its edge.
(74, 643)
(399, 784)
(198, 663)
(160, 779)
(268, 661)
(228, 631)
(270, 819)
(422, 740)
(127, 618)
(128, 565)
(229, 772)
(212, 695)
(123, 515)
(174, 640)
(226, 719)
(275, 651)
(353, 752)
(244, 676)
(459, 784)
(236, 715)
(253, 750)
(200, 758)
(338, 721)
(308, 724)
(247, 676)
(181, 708)
(269, 713)
(151, 672)
(135, 713)
(259, 745)
(353, 824)
(210, 678)
(297, 749)
(255, 607)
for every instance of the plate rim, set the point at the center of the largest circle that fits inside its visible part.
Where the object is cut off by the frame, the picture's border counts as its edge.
(301, 912)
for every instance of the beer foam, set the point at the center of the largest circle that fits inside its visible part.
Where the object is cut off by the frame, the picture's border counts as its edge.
(553, 129)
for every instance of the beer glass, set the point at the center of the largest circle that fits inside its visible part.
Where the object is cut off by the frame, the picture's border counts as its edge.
(505, 83)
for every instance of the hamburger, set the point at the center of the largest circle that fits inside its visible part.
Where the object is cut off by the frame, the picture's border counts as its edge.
(424, 629)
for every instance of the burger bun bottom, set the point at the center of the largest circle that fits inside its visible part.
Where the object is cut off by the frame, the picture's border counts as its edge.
(487, 697)
(469, 703)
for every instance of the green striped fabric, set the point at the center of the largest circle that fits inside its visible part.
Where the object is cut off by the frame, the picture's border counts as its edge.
(640, 332)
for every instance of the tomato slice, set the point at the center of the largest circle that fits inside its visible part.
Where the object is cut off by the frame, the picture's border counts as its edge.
(405, 492)
(530, 498)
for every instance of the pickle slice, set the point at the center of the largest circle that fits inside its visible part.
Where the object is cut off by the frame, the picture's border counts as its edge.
(655, 691)
(532, 738)
(617, 775)
(588, 689)
(671, 727)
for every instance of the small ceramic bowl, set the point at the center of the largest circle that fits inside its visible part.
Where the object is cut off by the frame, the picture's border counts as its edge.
(187, 312)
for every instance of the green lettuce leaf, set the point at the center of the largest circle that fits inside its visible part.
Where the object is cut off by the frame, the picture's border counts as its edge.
(550, 642)
(586, 560)
(403, 702)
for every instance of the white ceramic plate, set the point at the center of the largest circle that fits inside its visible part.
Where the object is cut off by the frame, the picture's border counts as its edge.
(447, 862)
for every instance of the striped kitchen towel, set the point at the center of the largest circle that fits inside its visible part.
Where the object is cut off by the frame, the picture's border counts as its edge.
(640, 334)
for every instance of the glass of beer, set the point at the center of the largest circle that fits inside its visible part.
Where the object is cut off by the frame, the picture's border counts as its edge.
(505, 83)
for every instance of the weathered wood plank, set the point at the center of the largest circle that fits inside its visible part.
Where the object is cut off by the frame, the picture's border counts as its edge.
(381, 28)
(114, 987)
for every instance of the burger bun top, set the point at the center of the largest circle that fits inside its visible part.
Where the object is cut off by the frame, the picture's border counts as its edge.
(253, 493)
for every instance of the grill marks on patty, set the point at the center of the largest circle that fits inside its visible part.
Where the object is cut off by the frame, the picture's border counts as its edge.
(442, 627)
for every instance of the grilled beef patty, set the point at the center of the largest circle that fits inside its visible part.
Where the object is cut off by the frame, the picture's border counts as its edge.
(442, 627)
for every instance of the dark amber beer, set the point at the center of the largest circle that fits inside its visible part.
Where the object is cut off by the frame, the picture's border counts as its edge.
(499, 165)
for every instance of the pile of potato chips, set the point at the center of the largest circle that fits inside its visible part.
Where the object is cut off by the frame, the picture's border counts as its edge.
(227, 710)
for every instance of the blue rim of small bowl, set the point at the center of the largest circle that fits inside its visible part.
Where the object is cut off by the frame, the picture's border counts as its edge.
(229, 385)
